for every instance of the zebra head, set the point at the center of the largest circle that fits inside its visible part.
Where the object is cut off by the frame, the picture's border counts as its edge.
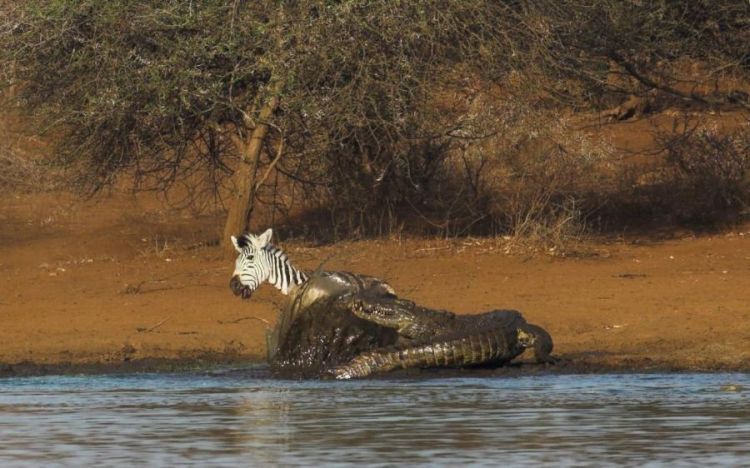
(249, 270)
(259, 261)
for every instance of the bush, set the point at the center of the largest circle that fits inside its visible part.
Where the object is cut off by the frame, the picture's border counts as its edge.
(434, 116)
(537, 177)
(710, 171)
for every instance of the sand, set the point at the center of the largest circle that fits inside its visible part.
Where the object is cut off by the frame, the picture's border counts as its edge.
(127, 284)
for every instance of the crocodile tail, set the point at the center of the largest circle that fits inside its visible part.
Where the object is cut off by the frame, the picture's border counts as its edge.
(480, 348)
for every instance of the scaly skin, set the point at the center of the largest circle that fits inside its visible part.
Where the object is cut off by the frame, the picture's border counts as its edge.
(486, 347)
(407, 318)
(321, 287)
(441, 338)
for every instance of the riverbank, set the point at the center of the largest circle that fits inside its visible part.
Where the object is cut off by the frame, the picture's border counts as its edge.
(125, 285)
(218, 365)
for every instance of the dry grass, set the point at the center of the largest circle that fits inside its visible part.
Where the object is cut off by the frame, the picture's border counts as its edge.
(157, 246)
(700, 177)
(534, 178)
(21, 173)
(23, 155)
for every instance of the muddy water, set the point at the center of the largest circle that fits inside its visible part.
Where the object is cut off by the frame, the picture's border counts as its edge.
(239, 418)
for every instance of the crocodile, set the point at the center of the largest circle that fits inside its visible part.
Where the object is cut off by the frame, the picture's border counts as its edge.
(438, 338)
(364, 333)
(353, 325)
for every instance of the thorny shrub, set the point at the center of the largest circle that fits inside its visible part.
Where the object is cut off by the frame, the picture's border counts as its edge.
(536, 177)
(19, 173)
(710, 171)
(23, 164)
(381, 124)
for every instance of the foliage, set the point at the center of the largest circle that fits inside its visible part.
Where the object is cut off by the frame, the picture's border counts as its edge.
(590, 50)
(391, 111)
(136, 85)
(710, 168)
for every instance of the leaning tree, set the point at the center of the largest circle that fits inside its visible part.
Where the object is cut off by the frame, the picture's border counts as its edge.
(329, 94)
(158, 90)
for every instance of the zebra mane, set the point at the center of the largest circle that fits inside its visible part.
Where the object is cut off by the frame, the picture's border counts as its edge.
(247, 239)
(277, 252)
(243, 241)
(283, 273)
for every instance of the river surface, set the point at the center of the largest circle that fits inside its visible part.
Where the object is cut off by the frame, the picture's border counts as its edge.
(238, 418)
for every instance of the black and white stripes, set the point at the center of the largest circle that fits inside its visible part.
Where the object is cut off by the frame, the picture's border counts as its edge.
(259, 261)
(281, 273)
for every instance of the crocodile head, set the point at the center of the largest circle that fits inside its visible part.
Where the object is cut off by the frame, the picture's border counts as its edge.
(532, 336)
(387, 312)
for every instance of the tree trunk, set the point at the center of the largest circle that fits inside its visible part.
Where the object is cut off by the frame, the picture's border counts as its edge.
(241, 204)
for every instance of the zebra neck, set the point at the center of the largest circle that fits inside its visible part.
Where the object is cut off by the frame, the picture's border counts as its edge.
(283, 275)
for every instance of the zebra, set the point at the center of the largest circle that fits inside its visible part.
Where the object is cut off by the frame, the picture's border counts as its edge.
(259, 261)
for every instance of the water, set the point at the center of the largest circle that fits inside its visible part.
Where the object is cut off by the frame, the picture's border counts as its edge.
(232, 418)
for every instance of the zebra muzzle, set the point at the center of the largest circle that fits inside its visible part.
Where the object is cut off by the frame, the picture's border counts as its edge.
(239, 289)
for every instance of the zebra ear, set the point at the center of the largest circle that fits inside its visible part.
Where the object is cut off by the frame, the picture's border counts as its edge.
(265, 238)
(236, 244)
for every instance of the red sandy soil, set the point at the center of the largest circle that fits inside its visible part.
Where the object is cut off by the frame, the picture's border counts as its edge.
(125, 280)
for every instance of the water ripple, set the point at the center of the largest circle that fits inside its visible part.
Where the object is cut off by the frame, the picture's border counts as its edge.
(588, 420)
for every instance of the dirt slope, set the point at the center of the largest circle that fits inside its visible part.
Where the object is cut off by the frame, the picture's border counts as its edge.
(124, 280)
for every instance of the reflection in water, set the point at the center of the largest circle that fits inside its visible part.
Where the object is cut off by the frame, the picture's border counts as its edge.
(232, 418)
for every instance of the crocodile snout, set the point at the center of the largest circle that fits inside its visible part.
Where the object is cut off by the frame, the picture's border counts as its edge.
(358, 306)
